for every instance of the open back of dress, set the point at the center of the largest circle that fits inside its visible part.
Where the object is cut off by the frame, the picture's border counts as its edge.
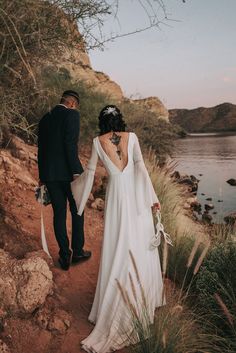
(110, 149)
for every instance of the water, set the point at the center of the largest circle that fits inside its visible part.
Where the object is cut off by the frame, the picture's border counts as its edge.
(214, 156)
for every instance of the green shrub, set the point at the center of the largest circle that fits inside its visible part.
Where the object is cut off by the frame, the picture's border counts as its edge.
(216, 290)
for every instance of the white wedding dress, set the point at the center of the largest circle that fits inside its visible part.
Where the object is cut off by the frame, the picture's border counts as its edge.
(128, 229)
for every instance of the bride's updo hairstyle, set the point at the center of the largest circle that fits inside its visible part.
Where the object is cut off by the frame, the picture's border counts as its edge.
(111, 119)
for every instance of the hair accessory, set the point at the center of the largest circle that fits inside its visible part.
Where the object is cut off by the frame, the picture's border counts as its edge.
(110, 110)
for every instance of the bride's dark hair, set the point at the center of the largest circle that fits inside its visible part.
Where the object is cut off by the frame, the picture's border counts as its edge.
(110, 119)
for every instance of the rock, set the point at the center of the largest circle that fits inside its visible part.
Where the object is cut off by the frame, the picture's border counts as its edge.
(42, 254)
(194, 179)
(153, 104)
(209, 199)
(24, 284)
(175, 175)
(193, 185)
(57, 321)
(214, 212)
(230, 219)
(98, 204)
(77, 64)
(202, 194)
(192, 200)
(3, 347)
(196, 206)
(14, 170)
(220, 201)
(231, 182)
(206, 218)
(200, 174)
(209, 206)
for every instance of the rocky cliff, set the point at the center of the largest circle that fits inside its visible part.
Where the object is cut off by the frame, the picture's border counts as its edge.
(219, 118)
(77, 62)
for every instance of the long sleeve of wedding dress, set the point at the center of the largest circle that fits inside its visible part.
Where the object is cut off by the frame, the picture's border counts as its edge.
(82, 186)
(144, 191)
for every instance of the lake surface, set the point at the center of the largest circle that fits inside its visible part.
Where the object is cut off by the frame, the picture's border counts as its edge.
(213, 156)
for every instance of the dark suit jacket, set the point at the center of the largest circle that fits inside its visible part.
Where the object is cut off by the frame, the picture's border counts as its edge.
(58, 135)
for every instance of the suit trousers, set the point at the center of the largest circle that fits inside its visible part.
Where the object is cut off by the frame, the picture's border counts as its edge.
(60, 192)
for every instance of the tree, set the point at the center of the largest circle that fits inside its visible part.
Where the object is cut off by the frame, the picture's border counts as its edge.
(33, 32)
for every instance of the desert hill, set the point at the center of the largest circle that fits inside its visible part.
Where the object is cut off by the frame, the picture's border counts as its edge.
(219, 118)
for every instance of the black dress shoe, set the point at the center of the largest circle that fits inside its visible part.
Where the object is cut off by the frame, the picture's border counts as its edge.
(64, 263)
(84, 255)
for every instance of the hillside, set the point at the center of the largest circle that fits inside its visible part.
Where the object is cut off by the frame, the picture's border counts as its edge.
(215, 119)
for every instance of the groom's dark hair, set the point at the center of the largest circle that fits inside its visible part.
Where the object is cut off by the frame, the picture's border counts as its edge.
(70, 93)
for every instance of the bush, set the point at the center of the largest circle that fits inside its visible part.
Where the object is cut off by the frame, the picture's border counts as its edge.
(154, 133)
(216, 290)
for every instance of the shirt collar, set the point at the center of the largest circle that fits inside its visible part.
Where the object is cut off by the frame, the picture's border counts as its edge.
(63, 105)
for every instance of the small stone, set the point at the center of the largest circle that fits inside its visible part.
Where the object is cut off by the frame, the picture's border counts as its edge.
(209, 199)
(220, 201)
(175, 175)
(59, 322)
(196, 206)
(209, 206)
(206, 218)
(203, 194)
(231, 182)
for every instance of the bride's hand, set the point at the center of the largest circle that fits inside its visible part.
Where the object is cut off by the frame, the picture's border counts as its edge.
(156, 207)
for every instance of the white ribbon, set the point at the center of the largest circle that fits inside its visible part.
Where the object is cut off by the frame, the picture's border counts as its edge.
(156, 239)
(43, 235)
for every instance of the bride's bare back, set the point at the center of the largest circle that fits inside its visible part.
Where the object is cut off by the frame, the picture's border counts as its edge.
(120, 160)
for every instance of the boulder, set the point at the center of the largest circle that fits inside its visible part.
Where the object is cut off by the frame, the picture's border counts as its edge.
(230, 219)
(24, 284)
(231, 182)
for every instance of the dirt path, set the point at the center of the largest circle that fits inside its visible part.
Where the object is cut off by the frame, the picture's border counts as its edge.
(74, 288)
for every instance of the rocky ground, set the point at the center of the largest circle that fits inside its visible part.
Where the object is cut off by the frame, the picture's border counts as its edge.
(42, 308)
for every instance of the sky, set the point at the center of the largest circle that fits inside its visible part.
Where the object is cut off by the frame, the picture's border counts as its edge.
(189, 62)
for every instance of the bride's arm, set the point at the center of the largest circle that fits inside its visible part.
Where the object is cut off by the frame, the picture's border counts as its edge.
(145, 193)
(82, 185)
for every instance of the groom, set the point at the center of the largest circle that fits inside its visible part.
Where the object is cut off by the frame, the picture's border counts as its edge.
(58, 165)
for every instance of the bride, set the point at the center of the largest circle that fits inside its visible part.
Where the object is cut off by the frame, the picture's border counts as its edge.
(127, 262)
